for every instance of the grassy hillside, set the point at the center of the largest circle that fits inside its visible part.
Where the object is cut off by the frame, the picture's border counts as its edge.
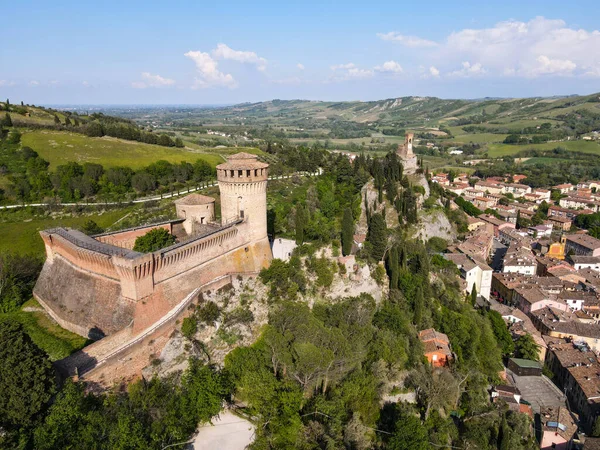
(499, 150)
(19, 231)
(59, 147)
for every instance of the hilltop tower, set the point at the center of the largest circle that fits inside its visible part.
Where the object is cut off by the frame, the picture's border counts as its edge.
(405, 152)
(243, 186)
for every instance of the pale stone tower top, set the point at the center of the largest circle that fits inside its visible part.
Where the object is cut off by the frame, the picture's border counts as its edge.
(243, 186)
(406, 150)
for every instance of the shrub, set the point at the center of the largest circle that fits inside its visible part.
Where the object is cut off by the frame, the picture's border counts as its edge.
(153, 240)
(189, 327)
(209, 313)
(238, 315)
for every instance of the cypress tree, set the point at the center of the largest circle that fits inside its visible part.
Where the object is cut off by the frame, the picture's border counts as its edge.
(393, 265)
(300, 223)
(377, 236)
(474, 295)
(7, 121)
(347, 232)
(67, 122)
(390, 189)
(56, 119)
(418, 308)
(404, 259)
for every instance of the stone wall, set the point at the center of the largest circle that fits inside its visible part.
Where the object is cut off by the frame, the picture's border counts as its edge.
(95, 294)
(126, 238)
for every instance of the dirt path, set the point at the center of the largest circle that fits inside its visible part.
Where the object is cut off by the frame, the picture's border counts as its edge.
(228, 432)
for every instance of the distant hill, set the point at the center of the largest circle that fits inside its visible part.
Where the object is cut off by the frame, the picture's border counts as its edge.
(405, 111)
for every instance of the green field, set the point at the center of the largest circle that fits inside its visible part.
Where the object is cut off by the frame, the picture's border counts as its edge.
(61, 147)
(544, 160)
(478, 138)
(22, 236)
(57, 342)
(499, 150)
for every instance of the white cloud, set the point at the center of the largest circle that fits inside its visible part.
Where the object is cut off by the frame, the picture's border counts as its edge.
(553, 66)
(389, 67)
(7, 83)
(434, 72)
(225, 52)
(149, 80)
(209, 73)
(300, 66)
(407, 41)
(85, 83)
(349, 71)
(34, 83)
(469, 70)
(529, 49)
(535, 48)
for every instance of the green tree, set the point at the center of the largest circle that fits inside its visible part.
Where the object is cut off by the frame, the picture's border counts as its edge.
(189, 327)
(27, 379)
(377, 236)
(153, 240)
(7, 121)
(418, 307)
(347, 232)
(501, 332)
(527, 348)
(90, 228)
(300, 223)
(474, 295)
(596, 427)
(56, 119)
(410, 434)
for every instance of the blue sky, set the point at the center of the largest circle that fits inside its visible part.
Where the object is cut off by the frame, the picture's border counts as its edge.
(201, 52)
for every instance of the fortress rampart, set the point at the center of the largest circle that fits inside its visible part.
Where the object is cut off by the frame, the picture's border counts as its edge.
(97, 286)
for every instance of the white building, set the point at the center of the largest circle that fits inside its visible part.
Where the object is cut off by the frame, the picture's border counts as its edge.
(475, 272)
(283, 248)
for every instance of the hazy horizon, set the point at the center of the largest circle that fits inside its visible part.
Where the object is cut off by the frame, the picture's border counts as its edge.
(195, 53)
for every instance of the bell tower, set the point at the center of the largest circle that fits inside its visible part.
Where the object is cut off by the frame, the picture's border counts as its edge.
(243, 186)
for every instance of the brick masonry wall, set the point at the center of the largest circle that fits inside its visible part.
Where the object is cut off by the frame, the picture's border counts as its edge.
(126, 239)
(100, 296)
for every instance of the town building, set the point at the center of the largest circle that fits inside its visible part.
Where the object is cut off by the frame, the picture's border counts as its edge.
(436, 347)
(559, 428)
(582, 244)
(474, 271)
(576, 368)
(585, 262)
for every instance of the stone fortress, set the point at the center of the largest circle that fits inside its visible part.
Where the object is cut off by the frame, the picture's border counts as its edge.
(405, 152)
(99, 286)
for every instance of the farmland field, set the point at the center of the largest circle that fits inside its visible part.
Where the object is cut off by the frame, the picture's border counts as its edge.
(61, 147)
(499, 150)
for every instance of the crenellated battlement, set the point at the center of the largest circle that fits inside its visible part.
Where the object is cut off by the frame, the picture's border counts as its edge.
(100, 284)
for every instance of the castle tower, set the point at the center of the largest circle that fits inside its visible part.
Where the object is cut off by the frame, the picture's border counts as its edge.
(408, 142)
(405, 152)
(243, 186)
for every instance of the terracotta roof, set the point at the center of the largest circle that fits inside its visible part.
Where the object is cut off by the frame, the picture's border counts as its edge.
(430, 334)
(242, 161)
(559, 420)
(194, 199)
(584, 240)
